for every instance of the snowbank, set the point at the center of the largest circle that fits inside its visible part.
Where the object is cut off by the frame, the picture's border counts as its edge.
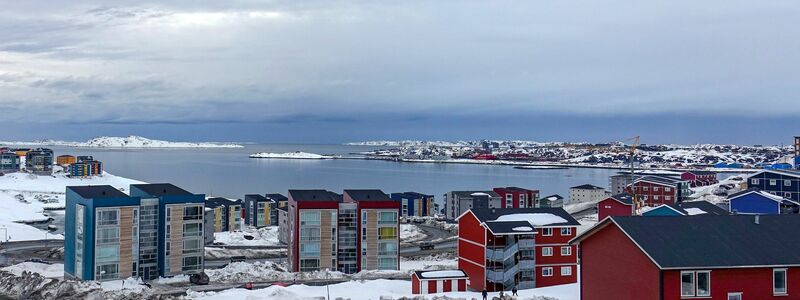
(375, 289)
(267, 236)
(50, 271)
(290, 155)
(410, 233)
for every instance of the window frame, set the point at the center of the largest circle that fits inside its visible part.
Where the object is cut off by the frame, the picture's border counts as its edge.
(569, 250)
(785, 281)
(694, 275)
(693, 284)
(738, 295)
(547, 253)
(568, 268)
(545, 274)
(754, 181)
(568, 230)
(547, 231)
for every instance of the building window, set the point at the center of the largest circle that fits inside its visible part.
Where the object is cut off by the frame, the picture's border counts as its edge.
(309, 218)
(787, 195)
(387, 249)
(666, 189)
(192, 263)
(307, 265)
(655, 189)
(696, 284)
(773, 182)
(645, 197)
(192, 230)
(309, 234)
(192, 246)
(646, 188)
(79, 241)
(566, 271)
(522, 200)
(107, 235)
(387, 233)
(309, 249)
(566, 231)
(779, 281)
(787, 183)
(547, 251)
(734, 296)
(566, 251)
(107, 271)
(547, 271)
(363, 218)
(387, 217)
(547, 231)
(668, 198)
(387, 264)
(754, 181)
(194, 212)
(107, 217)
(656, 198)
(509, 200)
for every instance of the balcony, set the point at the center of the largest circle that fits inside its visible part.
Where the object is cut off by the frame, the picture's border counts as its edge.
(501, 253)
(527, 263)
(502, 275)
(527, 244)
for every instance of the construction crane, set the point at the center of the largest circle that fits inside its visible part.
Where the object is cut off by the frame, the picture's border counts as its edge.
(633, 142)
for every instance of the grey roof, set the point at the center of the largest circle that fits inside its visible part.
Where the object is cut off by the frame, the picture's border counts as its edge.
(413, 195)
(508, 227)
(491, 214)
(161, 189)
(314, 195)
(219, 201)
(659, 179)
(557, 197)
(587, 187)
(706, 206)
(714, 241)
(97, 191)
(256, 197)
(419, 274)
(624, 198)
(277, 197)
(468, 194)
(368, 195)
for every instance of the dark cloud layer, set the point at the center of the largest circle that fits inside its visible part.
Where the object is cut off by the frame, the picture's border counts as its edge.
(444, 69)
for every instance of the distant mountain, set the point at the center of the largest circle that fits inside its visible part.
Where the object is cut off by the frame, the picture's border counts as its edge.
(124, 142)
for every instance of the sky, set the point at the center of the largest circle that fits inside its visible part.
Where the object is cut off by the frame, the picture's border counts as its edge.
(339, 71)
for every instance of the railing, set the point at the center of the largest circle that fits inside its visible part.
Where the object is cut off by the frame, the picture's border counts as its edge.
(502, 275)
(501, 254)
(528, 244)
(522, 285)
(527, 264)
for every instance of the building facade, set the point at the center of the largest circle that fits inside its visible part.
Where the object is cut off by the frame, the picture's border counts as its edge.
(65, 160)
(415, 204)
(704, 257)
(755, 201)
(280, 202)
(700, 178)
(517, 247)
(227, 213)
(355, 231)
(616, 205)
(657, 190)
(514, 197)
(432, 282)
(258, 210)
(156, 231)
(553, 201)
(39, 161)
(586, 193)
(9, 162)
(458, 202)
(783, 183)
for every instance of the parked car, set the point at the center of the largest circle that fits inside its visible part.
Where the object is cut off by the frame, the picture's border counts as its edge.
(238, 259)
(199, 278)
(426, 246)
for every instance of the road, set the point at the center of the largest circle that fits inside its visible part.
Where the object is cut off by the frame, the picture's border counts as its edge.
(16, 252)
(442, 240)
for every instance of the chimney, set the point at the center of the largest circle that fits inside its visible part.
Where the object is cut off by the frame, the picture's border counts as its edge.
(756, 220)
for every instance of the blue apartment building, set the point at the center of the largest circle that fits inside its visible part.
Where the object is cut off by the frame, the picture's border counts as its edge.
(155, 231)
(414, 204)
(783, 183)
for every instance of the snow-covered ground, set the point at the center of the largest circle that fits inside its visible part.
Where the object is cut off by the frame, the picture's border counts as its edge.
(373, 290)
(410, 233)
(714, 193)
(23, 197)
(124, 142)
(433, 262)
(50, 271)
(290, 155)
(267, 236)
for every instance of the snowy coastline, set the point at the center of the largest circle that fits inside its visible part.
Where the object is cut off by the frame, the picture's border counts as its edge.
(291, 155)
(136, 142)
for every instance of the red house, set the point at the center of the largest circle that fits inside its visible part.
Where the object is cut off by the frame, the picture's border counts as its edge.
(702, 257)
(656, 190)
(617, 205)
(431, 282)
(517, 197)
(700, 178)
(517, 247)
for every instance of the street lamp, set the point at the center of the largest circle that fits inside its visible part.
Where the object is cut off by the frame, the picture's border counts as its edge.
(328, 282)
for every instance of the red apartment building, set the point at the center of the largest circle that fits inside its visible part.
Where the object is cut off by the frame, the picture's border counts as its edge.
(517, 197)
(700, 178)
(517, 247)
(702, 257)
(657, 190)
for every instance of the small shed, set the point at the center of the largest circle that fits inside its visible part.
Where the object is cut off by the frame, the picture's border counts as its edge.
(617, 205)
(431, 282)
(755, 201)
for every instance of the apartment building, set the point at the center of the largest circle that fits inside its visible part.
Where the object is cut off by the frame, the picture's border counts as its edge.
(587, 193)
(503, 248)
(458, 202)
(258, 210)
(39, 161)
(227, 213)
(155, 231)
(175, 216)
(280, 202)
(9, 162)
(514, 197)
(357, 230)
(413, 204)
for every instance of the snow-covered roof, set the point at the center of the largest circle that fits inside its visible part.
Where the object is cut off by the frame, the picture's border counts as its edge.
(522, 228)
(535, 219)
(440, 274)
(694, 211)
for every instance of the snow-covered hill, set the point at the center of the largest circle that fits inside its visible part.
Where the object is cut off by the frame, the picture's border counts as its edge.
(290, 155)
(132, 141)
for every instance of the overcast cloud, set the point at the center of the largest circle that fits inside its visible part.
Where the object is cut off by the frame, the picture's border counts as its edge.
(352, 62)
